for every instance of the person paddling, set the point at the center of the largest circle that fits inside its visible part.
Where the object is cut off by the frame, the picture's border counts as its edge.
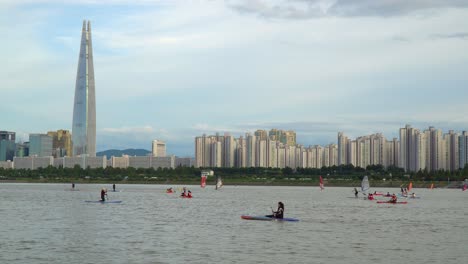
(356, 192)
(189, 194)
(73, 186)
(113, 187)
(279, 213)
(103, 194)
(393, 199)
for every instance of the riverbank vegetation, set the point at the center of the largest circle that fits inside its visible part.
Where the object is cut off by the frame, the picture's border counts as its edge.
(346, 175)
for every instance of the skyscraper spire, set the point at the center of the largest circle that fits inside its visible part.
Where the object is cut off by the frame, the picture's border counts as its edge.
(84, 108)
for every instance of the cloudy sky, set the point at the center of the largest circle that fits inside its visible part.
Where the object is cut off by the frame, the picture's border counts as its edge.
(172, 70)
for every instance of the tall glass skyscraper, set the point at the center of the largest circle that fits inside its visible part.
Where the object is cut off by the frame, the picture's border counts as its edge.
(84, 109)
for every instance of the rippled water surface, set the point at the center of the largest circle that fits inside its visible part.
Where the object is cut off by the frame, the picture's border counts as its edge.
(48, 223)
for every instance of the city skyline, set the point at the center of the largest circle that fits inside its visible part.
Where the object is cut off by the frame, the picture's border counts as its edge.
(175, 70)
(415, 149)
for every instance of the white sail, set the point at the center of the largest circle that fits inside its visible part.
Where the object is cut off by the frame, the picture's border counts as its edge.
(365, 184)
(219, 183)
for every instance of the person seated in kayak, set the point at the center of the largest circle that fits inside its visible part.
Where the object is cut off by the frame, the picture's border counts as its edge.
(103, 194)
(279, 213)
(356, 192)
(388, 194)
(413, 195)
(393, 199)
(113, 187)
(370, 196)
(189, 194)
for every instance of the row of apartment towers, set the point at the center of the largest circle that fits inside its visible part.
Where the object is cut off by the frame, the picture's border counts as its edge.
(415, 150)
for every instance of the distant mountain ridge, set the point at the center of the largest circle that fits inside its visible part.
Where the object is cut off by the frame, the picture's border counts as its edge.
(118, 153)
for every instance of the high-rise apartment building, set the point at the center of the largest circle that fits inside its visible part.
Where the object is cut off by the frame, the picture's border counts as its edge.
(261, 134)
(463, 149)
(453, 151)
(84, 109)
(342, 148)
(61, 143)
(251, 145)
(407, 148)
(158, 148)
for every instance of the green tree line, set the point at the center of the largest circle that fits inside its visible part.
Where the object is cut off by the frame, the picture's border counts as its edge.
(345, 172)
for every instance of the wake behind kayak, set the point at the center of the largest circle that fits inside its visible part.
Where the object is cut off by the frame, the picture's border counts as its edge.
(266, 218)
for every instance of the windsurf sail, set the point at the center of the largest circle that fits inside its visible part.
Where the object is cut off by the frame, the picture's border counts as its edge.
(465, 185)
(219, 183)
(365, 184)
(321, 184)
(410, 186)
(203, 181)
(432, 186)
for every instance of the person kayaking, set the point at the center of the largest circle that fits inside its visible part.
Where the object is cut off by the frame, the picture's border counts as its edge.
(189, 194)
(356, 192)
(113, 187)
(103, 194)
(279, 213)
(169, 190)
(388, 194)
(184, 192)
(393, 199)
(370, 196)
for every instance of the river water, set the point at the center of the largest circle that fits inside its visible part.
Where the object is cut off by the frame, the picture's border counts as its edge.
(48, 223)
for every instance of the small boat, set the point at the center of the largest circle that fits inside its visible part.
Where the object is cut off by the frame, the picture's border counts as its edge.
(266, 218)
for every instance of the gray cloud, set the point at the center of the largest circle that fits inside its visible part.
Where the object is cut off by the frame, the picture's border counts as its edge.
(305, 9)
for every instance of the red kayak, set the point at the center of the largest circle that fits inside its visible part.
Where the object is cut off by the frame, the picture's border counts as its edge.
(391, 202)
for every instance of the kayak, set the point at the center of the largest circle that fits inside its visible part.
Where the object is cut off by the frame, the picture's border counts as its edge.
(103, 201)
(266, 218)
(391, 202)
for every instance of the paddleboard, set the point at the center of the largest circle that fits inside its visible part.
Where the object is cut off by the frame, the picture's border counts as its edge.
(103, 201)
(379, 202)
(265, 218)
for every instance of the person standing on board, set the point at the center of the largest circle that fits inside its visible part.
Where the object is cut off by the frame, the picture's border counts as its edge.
(113, 187)
(355, 192)
(103, 194)
(73, 186)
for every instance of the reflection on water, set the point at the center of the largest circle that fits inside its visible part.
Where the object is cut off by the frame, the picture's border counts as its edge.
(47, 223)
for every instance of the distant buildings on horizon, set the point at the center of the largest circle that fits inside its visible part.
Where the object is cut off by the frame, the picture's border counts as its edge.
(416, 150)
